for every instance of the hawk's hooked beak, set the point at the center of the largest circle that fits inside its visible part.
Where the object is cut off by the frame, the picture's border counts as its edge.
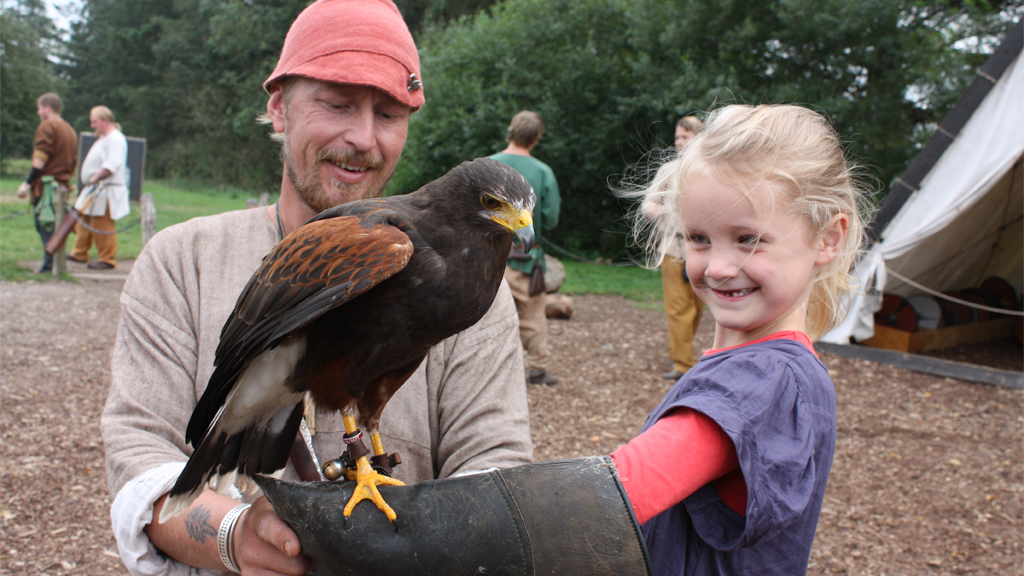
(523, 227)
(525, 236)
(521, 224)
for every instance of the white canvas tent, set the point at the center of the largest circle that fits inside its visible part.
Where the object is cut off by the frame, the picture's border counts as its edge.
(956, 217)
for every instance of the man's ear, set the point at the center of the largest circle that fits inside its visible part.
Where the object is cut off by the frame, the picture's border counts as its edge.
(275, 110)
(833, 238)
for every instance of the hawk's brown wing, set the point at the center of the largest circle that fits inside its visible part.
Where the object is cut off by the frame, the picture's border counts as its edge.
(318, 267)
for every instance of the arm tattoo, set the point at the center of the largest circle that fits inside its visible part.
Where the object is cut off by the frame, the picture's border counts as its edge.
(197, 523)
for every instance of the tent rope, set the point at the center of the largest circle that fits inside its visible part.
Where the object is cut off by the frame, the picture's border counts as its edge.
(905, 183)
(951, 299)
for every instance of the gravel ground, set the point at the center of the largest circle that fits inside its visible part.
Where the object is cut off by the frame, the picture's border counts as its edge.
(928, 476)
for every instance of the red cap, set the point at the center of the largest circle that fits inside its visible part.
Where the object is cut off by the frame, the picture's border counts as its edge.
(363, 42)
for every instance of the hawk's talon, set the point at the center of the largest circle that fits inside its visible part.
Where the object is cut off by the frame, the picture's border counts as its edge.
(367, 481)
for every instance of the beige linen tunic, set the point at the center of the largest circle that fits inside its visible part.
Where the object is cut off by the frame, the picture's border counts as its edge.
(464, 409)
(108, 152)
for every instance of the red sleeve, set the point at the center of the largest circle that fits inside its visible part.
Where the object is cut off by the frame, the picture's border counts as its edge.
(683, 451)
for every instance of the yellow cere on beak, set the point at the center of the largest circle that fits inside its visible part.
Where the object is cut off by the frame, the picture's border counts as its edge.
(519, 222)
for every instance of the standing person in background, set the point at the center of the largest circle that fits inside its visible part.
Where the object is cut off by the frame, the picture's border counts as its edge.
(55, 154)
(524, 132)
(107, 201)
(683, 308)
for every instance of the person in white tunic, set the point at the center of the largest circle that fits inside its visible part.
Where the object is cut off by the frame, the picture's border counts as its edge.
(104, 198)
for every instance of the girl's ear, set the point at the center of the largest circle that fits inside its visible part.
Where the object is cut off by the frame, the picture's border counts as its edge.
(833, 238)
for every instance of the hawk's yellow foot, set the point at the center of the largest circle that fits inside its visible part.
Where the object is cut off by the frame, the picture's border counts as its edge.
(367, 480)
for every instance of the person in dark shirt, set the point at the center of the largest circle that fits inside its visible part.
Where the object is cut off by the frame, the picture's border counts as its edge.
(524, 133)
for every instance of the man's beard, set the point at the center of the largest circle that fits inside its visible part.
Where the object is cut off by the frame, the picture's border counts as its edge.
(310, 187)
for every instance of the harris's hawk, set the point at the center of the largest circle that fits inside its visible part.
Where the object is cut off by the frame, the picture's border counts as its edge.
(346, 308)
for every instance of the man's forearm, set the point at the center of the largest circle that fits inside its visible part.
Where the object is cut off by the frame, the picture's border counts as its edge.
(37, 167)
(191, 537)
(262, 541)
(103, 173)
(33, 174)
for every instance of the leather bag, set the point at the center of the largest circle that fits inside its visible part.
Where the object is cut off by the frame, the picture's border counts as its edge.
(537, 280)
(71, 216)
(537, 277)
(62, 231)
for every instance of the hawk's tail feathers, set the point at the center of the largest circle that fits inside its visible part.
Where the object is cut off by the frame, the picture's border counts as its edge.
(224, 459)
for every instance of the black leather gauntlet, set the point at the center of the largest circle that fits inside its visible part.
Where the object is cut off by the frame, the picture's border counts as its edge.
(566, 517)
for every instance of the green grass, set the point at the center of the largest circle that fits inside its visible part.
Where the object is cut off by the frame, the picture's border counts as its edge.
(175, 203)
(632, 282)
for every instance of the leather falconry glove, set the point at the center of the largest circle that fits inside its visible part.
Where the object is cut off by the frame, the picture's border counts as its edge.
(562, 517)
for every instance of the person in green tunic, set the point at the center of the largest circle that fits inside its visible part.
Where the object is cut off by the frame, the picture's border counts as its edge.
(524, 132)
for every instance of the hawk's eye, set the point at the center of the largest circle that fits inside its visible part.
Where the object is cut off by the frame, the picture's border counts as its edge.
(490, 202)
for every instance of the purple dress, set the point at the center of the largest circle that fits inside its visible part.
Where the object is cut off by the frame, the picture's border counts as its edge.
(776, 401)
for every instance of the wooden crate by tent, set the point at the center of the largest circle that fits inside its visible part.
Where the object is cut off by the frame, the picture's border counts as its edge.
(912, 342)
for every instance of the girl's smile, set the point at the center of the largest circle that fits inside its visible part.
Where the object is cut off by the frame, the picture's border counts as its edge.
(735, 294)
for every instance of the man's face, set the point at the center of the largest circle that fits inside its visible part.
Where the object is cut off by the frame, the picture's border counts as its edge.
(98, 124)
(341, 142)
(44, 112)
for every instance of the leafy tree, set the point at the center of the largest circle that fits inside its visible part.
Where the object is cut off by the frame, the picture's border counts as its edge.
(424, 17)
(186, 75)
(26, 72)
(611, 77)
(217, 136)
(112, 63)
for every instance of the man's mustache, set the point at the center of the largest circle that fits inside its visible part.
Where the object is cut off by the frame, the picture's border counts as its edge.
(350, 158)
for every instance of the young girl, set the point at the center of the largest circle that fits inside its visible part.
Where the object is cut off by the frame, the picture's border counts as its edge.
(729, 472)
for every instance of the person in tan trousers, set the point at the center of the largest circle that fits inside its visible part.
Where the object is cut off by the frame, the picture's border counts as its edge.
(104, 198)
(683, 309)
(524, 132)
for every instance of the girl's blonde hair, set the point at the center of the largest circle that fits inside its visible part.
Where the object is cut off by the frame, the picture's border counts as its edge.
(744, 146)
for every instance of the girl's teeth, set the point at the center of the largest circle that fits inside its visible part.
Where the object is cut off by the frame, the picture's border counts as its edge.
(739, 293)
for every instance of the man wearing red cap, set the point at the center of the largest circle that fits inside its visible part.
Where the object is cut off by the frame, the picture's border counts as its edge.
(340, 100)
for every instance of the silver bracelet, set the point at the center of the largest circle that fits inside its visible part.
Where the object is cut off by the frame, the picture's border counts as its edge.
(226, 537)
